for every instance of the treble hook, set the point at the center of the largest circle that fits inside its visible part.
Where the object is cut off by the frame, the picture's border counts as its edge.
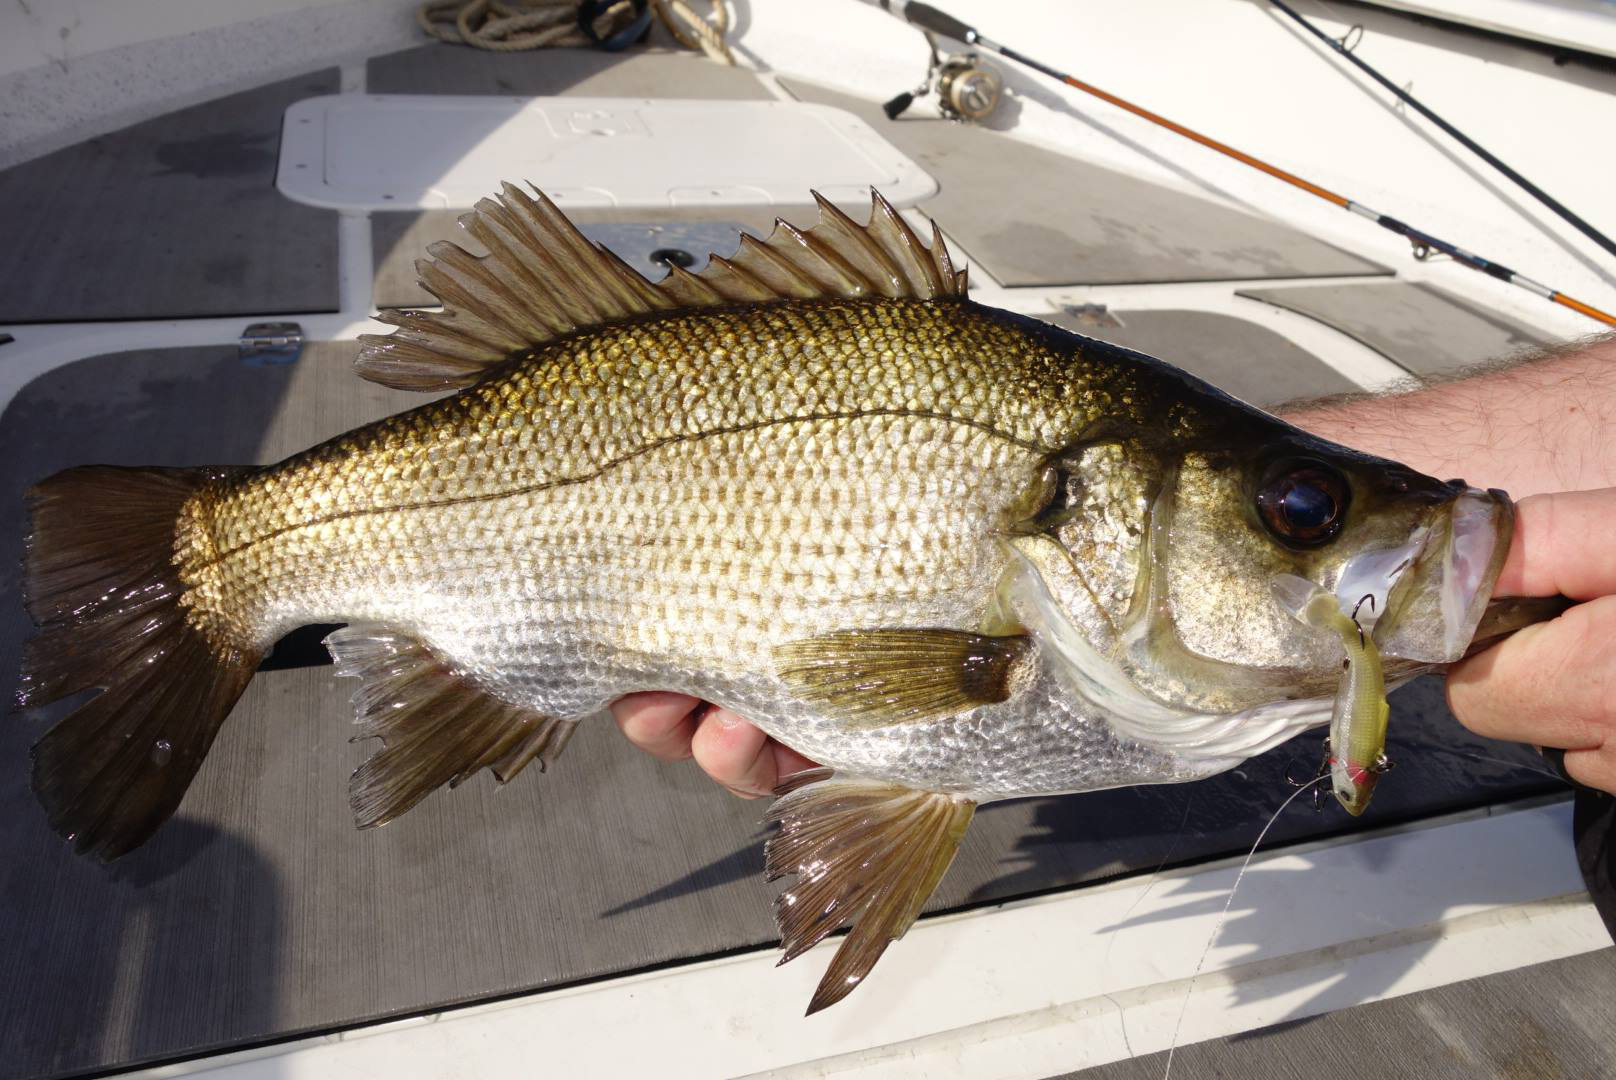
(1318, 773)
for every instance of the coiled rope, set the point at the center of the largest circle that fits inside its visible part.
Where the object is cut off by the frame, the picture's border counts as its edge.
(515, 25)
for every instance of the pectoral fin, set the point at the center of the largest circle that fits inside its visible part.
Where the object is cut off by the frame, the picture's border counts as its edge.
(875, 678)
(864, 853)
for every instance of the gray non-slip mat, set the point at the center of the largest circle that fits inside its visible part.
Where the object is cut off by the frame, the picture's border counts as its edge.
(1418, 327)
(260, 913)
(1549, 1020)
(637, 72)
(172, 218)
(1032, 216)
(1249, 361)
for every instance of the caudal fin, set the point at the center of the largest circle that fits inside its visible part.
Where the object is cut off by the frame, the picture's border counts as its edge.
(102, 584)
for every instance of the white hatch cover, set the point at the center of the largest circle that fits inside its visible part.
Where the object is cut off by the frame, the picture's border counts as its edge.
(403, 151)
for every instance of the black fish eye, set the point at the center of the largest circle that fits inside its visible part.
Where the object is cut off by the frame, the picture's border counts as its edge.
(1303, 503)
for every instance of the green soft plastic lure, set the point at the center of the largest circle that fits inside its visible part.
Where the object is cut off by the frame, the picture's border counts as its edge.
(1356, 752)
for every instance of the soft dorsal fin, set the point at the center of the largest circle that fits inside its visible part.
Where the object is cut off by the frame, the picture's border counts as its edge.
(543, 279)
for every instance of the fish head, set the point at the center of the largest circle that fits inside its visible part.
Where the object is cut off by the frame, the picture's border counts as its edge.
(1411, 558)
(1161, 592)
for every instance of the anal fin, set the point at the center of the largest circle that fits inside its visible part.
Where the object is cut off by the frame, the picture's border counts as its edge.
(879, 677)
(864, 853)
(438, 727)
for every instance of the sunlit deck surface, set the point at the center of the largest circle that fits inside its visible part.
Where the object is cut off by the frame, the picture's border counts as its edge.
(1546, 1020)
(260, 913)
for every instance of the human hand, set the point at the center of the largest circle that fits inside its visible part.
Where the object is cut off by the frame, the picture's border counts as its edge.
(1554, 684)
(731, 751)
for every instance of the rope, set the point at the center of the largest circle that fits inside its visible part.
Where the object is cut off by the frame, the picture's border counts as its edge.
(704, 35)
(516, 25)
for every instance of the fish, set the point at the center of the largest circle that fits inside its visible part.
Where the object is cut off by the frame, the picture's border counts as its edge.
(952, 553)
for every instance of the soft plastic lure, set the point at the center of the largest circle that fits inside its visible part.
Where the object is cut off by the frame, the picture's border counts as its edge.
(1356, 751)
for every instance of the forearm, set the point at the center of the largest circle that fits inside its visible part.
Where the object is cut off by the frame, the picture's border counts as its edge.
(1544, 425)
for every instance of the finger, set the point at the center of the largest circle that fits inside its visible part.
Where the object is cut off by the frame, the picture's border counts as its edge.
(741, 758)
(1562, 546)
(1552, 684)
(734, 753)
(787, 761)
(1593, 768)
(661, 724)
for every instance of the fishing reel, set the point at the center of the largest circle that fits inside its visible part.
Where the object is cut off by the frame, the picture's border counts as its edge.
(968, 88)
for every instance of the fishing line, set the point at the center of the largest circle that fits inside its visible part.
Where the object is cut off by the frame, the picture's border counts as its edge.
(1229, 902)
(1150, 882)
(1464, 140)
(1456, 752)
(1223, 916)
(927, 18)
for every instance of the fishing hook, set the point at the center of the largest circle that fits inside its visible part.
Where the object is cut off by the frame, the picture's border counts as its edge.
(1318, 774)
(1367, 598)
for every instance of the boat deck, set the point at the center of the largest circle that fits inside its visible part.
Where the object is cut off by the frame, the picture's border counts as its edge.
(259, 914)
(1551, 1019)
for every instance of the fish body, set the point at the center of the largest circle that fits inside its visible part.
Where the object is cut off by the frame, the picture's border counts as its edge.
(594, 521)
(952, 553)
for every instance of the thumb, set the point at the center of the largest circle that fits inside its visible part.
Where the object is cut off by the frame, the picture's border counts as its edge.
(1564, 544)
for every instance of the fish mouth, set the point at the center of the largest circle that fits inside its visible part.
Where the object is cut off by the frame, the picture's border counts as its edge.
(1433, 607)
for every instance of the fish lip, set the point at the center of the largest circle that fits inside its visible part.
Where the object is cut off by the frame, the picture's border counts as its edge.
(1461, 560)
(1481, 552)
(1368, 586)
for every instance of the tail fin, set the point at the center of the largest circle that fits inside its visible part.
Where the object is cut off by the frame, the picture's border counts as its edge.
(102, 583)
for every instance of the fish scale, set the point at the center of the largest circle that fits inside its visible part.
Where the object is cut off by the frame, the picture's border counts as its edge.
(387, 504)
(906, 508)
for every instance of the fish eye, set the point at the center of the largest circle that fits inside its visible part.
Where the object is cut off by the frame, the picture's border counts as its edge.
(1303, 503)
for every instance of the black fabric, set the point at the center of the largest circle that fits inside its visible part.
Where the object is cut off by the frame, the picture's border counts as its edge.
(1593, 818)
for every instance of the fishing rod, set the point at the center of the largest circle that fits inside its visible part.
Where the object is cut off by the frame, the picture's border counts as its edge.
(1464, 140)
(927, 18)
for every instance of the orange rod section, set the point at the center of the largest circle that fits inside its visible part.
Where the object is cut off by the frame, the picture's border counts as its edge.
(1579, 306)
(1209, 143)
(1281, 174)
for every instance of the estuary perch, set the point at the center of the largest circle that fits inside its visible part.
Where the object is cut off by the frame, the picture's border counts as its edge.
(953, 553)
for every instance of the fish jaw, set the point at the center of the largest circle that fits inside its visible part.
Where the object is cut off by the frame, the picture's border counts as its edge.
(1434, 608)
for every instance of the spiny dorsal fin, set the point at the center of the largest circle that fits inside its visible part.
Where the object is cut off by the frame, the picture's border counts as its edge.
(864, 853)
(878, 677)
(438, 728)
(543, 279)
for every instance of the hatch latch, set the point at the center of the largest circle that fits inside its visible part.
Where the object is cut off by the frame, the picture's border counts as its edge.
(264, 343)
(1092, 316)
